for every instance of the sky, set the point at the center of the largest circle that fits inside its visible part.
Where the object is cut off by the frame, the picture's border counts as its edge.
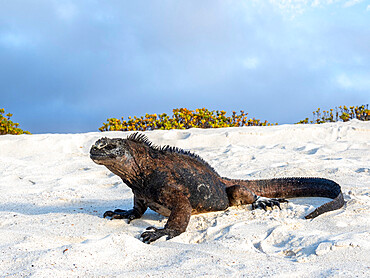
(67, 66)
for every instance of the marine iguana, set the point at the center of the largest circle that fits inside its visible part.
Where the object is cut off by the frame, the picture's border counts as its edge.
(177, 183)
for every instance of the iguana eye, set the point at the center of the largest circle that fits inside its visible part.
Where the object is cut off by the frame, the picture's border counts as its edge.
(110, 147)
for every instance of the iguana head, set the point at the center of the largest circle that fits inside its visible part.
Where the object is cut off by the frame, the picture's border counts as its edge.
(107, 150)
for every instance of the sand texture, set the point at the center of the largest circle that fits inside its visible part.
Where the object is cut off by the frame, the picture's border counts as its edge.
(53, 197)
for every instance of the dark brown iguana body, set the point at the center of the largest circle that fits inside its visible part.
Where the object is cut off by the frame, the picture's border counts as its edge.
(177, 184)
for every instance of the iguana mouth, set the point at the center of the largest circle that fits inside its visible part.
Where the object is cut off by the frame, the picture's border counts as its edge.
(96, 156)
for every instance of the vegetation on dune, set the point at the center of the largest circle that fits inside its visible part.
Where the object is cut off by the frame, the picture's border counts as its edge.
(341, 113)
(7, 126)
(183, 118)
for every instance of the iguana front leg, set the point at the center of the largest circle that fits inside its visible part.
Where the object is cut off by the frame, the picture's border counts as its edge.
(178, 220)
(137, 211)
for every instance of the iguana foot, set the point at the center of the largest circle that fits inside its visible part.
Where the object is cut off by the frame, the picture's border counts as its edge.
(263, 202)
(152, 234)
(122, 214)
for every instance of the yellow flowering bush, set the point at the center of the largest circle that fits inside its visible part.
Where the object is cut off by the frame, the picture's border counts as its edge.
(341, 113)
(182, 118)
(7, 126)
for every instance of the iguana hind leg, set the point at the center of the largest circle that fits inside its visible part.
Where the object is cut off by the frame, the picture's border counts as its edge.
(240, 195)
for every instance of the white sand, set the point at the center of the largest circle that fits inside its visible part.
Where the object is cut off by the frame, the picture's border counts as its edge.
(53, 197)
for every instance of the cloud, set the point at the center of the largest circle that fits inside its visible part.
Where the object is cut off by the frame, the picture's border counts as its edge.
(13, 40)
(344, 81)
(66, 10)
(67, 65)
(251, 62)
(351, 3)
(353, 82)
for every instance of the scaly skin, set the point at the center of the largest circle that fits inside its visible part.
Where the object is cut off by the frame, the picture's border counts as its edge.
(177, 184)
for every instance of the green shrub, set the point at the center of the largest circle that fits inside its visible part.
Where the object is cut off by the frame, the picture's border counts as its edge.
(7, 126)
(182, 118)
(342, 113)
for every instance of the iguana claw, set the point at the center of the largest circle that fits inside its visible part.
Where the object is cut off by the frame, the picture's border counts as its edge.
(263, 202)
(121, 214)
(152, 234)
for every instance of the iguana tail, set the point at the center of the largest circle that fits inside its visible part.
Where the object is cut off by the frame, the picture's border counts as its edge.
(300, 187)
